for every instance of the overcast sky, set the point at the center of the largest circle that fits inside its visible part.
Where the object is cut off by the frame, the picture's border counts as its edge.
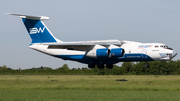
(81, 20)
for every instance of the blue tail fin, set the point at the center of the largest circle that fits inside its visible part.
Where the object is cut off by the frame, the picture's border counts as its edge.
(37, 30)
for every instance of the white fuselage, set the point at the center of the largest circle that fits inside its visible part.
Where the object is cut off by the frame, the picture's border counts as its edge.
(134, 51)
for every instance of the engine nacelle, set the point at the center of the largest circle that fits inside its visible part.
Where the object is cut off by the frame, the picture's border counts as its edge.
(117, 52)
(98, 53)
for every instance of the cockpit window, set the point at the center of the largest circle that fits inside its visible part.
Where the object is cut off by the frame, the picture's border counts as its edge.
(166, 47)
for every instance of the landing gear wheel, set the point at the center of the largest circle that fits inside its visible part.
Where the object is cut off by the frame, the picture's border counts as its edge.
(91, 65)
(109, 66)
(146, 65)
(100, 66)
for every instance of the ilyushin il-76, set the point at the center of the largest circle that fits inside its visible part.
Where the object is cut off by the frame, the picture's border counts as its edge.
(94, 53)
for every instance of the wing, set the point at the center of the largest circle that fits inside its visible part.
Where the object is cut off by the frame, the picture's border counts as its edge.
(83, 45)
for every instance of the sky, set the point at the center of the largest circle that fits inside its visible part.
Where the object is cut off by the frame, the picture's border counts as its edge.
(85, 20)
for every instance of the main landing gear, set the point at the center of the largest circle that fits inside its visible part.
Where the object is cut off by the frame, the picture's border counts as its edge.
(91, 65)
(109, 66)
(101, 66)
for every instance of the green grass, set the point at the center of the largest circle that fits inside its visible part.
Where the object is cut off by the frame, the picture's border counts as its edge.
(87, 95)
(89, 88)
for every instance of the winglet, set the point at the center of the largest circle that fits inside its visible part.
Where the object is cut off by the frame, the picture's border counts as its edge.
(30, 17)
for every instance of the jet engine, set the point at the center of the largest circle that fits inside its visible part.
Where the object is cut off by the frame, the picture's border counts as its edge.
(106, 53)
(98, 53)
(117, 52)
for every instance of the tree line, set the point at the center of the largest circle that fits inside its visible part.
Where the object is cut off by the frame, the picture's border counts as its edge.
(127, 68)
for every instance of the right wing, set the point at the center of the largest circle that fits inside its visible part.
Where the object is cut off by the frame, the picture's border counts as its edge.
(83, 45)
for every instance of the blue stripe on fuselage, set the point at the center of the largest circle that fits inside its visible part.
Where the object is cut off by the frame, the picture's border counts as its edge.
(88, 60)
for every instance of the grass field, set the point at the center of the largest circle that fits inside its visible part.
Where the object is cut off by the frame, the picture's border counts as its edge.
(89, 88)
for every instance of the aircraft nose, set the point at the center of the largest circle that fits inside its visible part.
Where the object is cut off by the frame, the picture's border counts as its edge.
(174, 53)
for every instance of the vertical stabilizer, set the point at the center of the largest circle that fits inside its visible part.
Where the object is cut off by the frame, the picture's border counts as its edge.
(37, 30)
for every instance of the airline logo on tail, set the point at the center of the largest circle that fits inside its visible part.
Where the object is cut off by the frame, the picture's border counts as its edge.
(36, 30)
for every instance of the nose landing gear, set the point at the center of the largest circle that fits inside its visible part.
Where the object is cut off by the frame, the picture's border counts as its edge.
(146, 65)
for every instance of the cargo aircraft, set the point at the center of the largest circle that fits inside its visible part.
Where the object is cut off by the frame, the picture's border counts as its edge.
(94, 53)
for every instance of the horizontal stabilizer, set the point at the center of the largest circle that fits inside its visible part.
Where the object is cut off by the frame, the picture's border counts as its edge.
(30, 17)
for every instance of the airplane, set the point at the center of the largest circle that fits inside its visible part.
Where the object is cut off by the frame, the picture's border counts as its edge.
(94, 53)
